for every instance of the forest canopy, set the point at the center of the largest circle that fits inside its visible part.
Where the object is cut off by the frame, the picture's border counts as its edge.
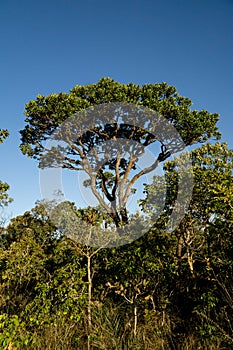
(166, 289)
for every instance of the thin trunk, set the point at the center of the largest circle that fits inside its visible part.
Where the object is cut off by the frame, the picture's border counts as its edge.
(190, 261)
(179, 247)
(135, 321)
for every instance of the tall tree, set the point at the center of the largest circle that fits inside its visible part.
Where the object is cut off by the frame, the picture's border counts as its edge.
(139, 117)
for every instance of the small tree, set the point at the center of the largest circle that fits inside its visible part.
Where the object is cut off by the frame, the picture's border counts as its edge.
(80, 227)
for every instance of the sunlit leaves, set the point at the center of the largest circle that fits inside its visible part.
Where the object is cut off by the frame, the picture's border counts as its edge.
(3, 135)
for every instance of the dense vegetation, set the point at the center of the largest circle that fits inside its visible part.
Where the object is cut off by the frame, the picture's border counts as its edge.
(166, 290)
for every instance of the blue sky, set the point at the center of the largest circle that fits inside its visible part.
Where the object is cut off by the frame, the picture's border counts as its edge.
(50, 46)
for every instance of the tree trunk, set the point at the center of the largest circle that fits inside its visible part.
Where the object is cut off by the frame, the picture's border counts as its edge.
(135, 321)
(124, 216)
(120, 220)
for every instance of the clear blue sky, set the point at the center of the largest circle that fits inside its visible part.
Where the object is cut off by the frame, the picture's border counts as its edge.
(49, 46)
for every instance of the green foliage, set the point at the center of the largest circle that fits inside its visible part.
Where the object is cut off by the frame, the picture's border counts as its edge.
(13, 332)
(166, 290)
(41, 278)
(4, 197)
(202, 244)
